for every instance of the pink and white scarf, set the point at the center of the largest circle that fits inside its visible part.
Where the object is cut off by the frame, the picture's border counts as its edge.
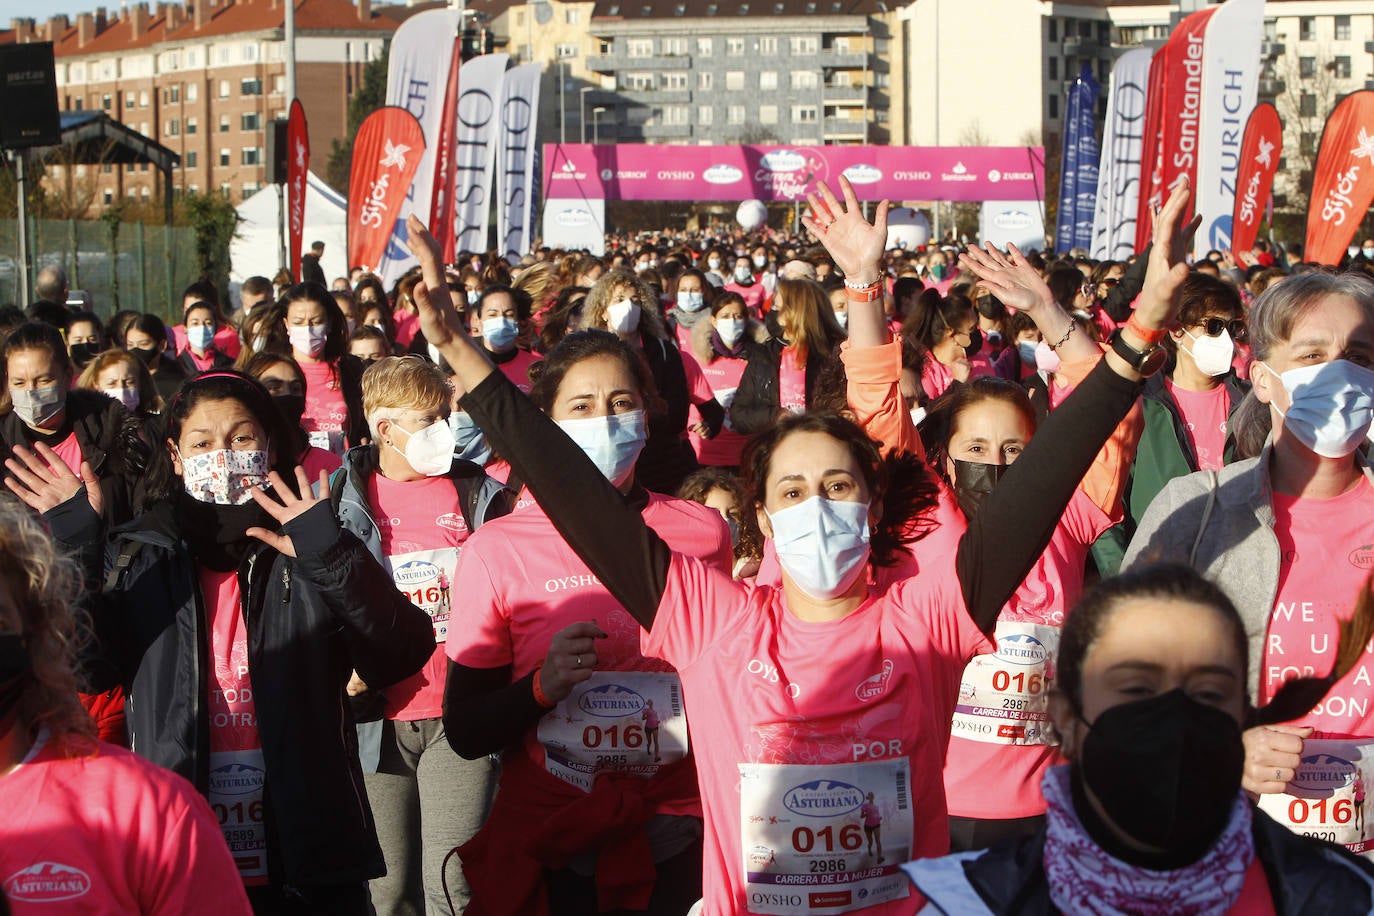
(1085, 880)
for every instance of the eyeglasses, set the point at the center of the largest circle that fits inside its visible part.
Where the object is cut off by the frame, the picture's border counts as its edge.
(1214, 327)
(1109, 281)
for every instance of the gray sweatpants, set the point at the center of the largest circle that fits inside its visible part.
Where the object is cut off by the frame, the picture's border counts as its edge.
(426, 800)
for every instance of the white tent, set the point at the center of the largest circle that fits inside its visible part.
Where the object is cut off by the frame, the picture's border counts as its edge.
(256, 249)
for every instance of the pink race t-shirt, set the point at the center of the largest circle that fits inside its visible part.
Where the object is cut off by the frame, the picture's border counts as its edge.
(522, 584)
(237, 773)
(226, 341)
(753, 296)
(998, 749)
(1325, 558)
(316, 460)
(791, 381)
(518, 369)
(326, 413)
(407, 326)
(69, 450)
(722, 376)
(1204, 416)
(422, 528)
(804, 720)
(104, 832)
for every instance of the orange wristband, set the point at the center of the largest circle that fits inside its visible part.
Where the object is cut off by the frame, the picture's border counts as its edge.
(1151, 336)
(864, 293)
(538, 690)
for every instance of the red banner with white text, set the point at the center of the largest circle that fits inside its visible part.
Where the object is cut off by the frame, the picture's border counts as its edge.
(297, 167)
(1151, 148)
(1183, 104)
(1259, 160)
(1343, 183)
(386, 153)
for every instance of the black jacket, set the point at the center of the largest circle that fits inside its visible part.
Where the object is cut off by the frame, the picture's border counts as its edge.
(1305, 876)
(667, 459)
(187, 362)
(310, 621)
(110, 440)
(758, 400)
(351, 371)
(171, 375)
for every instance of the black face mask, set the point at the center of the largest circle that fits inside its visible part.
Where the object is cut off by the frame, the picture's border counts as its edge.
(770, 321)
(15, 666)
(975, 343)
(218, 534)
(292, 406)
(974, 482)
(1166, 771)
(83, 353)
(146, 356)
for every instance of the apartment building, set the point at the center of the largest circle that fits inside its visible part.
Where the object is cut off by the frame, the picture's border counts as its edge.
(204, 78)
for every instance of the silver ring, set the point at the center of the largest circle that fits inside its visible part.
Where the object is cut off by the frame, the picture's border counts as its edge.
(578, 662)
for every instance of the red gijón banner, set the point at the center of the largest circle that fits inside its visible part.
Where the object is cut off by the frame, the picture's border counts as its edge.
(386, 153)
(1259, 160)
(1343, 183)
(441, 205)
(297, 167)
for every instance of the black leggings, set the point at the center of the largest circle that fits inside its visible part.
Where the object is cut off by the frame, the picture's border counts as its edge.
(676, 888)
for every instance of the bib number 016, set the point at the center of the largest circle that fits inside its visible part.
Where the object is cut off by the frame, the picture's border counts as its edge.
(1322, 811)
(1032, 684)
(629, 736)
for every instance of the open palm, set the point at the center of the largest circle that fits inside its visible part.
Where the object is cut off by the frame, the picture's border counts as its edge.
(854, 244)
(1009, 277)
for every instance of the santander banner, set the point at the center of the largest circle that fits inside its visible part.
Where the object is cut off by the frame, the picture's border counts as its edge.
(1259, 160)
(297, 168)
(386, 153)
(1343, 183)
(1183, 102)
(784, 173)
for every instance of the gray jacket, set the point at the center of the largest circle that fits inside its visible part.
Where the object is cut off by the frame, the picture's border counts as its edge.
(1222, 524)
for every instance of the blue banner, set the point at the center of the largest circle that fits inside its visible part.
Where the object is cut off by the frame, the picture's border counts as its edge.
(1078, 166)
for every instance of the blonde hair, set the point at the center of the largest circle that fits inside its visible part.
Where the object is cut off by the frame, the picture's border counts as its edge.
(600, 298)
(148, 398)
(396, 383)
(45, 586)
(805, 309)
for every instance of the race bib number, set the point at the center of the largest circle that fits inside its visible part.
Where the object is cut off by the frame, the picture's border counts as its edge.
(1003, 697)
(725, 397)
(236, 781)
(331, 440)
(1329, 794)
(825, 839)
(424, 577)
(615, 721)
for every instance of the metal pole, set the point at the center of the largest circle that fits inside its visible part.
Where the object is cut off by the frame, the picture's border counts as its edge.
(286, 258)
(290, 50)
(25, 256)
(562, 102)
(582, 112)
(142, 265)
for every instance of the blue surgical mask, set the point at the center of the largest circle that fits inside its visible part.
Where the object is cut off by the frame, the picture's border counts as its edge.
(822, 544)
(499, 333)
(200, 337)
(469, 443)
(1331, 406)
(612, 442)
(474, 296)
(1027, 350)
(690, 301)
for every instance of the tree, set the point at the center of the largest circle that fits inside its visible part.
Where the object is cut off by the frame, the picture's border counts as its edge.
(1304, 106)
(215, 222)
(369, 96)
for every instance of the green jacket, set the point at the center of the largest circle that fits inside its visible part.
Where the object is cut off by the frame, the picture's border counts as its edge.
(1164, 452)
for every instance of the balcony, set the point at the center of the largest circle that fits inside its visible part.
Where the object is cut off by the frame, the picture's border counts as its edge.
(1271, 88)
(844, 127)
(607, 63)
(845, 93)
(655, 96)
(666, 131)
(843, 58)
(1271, 48)
(1080, 46)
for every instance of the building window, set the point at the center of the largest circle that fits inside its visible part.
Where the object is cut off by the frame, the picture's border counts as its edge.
(734, 80)
(1054, 105)
(704, 47)
(249, 53)
(804, 114)
(173, 94)
(192, 92)
(705, 79)
(249, 189)
(572, 17)
(143, 99)
(190, 126)
(224, 124)
(109, 197)
(805, 79)
(225, 190)
(639, 82)
(105, 102)
(675, 47)
(1307, 28)
(768, 45)
(676, 80)
(1054, 68)
(735, 114)
(129, 100)
(251, 155)
(1342, 68)
(676, 115)
(768, 80)
(768, 114)
(250, 120)
(250, 87)
(639, 47)
(800, 45)
(190, 159)
(1307, 105)
(1307, 143)
(174, 127)
(224, 89)
(224, 157)
(734, 47)
(705, 114)
(1053, 26)
(278, 84)
(1342, 28)
(1307, 67)
(566, 51)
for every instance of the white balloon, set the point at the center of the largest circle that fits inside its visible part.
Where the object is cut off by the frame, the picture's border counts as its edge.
(907, 228)
(751, 215)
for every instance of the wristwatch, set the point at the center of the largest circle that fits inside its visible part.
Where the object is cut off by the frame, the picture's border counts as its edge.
(1146, 362)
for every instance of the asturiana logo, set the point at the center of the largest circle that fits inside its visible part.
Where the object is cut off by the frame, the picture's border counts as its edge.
(574, 219)
(1363, 557)
(823, 798)
(416, 572)
(863, 173)
(783, 160)
(1321, 772)
(1012, 219)
(1021, 649)
(47, 882)
(236, 779)
(611, 701)
(722, 174)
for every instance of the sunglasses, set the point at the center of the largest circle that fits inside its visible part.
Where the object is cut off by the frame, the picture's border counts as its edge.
(1214, 327)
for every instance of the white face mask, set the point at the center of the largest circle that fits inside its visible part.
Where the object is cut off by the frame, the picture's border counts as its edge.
(126, 396)
(474, 296)
(743, 273)
(1331, 406)
(760, 261)
(429, 451)
(468, 440)
(308, 341)
(225, 476)
(1046, 360)
(842, 319)
(612, 442)
(822, 544)
(623, 317)
(730, 330)
(1212, 355)
(38, 407)
(713, 263)
(690, 301)
(1368, 253)
(499, 333)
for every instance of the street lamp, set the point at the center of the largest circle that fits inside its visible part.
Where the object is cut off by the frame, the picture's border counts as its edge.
(582, 110)
(596, 124)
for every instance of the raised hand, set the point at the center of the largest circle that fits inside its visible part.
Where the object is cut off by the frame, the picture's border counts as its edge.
(44, 481)
(1167, 268)
(1009, 277)
(438, 318)
(287, 506)
(855, 245)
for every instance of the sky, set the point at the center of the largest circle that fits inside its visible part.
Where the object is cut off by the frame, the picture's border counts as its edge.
(42, 9)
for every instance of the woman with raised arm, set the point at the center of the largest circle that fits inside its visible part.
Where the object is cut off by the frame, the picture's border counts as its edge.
(831, 685)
